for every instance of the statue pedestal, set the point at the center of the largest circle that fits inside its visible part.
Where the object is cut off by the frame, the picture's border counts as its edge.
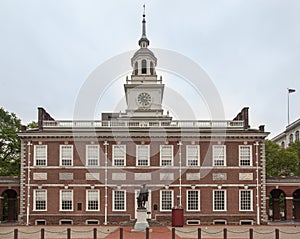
(141, 223)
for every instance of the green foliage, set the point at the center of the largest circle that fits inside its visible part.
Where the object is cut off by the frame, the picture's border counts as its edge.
(282, 162)
(9, 144)
(32, 125)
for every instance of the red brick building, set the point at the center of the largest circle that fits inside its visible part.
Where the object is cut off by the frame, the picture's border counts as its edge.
(86, 172)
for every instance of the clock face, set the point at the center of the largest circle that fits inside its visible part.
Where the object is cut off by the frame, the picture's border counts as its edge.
(144, 99)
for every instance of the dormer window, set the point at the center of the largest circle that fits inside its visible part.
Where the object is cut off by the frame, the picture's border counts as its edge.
(144, 67)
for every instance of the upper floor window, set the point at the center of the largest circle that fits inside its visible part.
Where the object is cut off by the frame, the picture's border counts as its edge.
(166, 155)
(40, 200)
(245, 155)
(291, 138)
(92, 155)
(142, 155)
(193, 155)
(40, 155)
(119, 155)
(136, 68)
(66, 155)
(144, 67)
(297, 135)
(219, 155)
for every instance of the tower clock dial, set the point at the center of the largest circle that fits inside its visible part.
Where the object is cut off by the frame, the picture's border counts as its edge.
(144, 99)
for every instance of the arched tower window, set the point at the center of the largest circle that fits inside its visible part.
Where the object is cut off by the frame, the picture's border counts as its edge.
(144, 67)
(297, 135)
(291, 138)
(151, 68)
(136, 68)
(282, 145)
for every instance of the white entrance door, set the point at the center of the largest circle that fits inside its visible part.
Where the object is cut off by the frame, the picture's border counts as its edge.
(148, 204)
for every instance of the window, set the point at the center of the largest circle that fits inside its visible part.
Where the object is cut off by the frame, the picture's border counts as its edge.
(66, 200)
(136, 68)
(193, 200)
(151, 68)
(245, 155)
(219, 202)
(40, 155)
(119, 155)
(40, 200)
(92, 155)
(166, 155)
(142, 152)
(219, 155)
(291, 139)
(92, 200)
(166, 200)
(193, 155)
(245, 200)
(144, 67)
(119, 200)
(297, 135)
(66, 155)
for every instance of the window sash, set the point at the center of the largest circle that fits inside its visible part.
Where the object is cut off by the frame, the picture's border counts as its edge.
(142, 155)
(219, 203)
(166, 155)
(92, 155)
(66, 155)
(246, 200)
(119, 155)
(219, 155)
(119, 200)
(92, 199)
(40, 200)
(66, 200)
(40, 155)
(166, 200)
(245, 155)
(193, 200)
(193, 155)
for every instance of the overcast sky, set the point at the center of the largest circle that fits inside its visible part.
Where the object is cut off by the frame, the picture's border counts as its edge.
(250, 50)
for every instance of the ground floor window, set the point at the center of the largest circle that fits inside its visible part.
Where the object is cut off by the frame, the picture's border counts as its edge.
(219, 200)
(245, 200)
(40, 200)
(193, 200)
(66, 200)
(119, 200)
(92, 199)
(166, 200)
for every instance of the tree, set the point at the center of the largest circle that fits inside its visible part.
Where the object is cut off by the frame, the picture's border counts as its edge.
(9, 144)
(280, 161)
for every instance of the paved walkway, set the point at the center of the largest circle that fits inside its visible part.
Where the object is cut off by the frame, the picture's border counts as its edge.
(187, 232)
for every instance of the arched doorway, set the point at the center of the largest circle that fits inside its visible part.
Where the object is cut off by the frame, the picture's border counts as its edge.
(277, 205)
(296, 205)
(9, 206)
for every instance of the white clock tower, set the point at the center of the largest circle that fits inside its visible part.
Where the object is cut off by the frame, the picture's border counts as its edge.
(144, 92)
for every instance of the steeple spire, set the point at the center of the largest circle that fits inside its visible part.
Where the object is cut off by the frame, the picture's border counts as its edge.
(144, 42)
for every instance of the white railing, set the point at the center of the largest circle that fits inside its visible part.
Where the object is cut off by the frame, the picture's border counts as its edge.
(237, 124)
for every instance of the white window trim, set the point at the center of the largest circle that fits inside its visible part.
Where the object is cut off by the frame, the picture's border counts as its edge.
(60, 200)
(137, 155)
(86, 155)
(113, 202)
(187, 197)
(60, 155)
(113, 154)
(160, 200)
(66, 220)
(172, 155)
(225, 200)
(34, 200)
(46, 158)
(251, 157)
(87, 201)
(213, 158)
(187, 155)
(251, 200)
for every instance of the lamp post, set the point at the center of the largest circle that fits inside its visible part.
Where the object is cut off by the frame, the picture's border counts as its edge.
(28, 182)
